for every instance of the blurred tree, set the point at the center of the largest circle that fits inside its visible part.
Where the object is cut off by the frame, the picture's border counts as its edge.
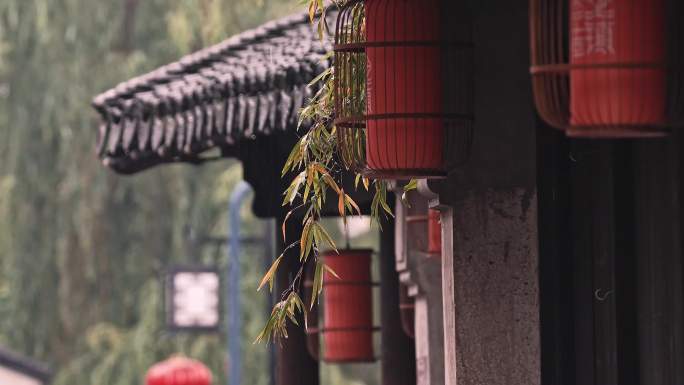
(81, 249)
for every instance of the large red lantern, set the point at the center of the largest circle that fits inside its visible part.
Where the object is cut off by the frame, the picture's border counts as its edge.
(602, 32)
(608, 68)
(178, 371)
(348, 307)
(395, 88)
(403, 87)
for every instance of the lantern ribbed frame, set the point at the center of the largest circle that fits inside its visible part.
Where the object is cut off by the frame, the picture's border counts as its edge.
(399, 133)
(596, 84)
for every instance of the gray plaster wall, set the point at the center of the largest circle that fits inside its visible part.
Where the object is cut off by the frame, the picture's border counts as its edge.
(495, 286)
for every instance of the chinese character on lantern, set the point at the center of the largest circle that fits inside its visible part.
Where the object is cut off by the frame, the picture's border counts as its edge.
(592, 27)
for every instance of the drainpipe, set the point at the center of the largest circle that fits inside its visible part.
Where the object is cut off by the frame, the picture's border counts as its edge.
(234, 312)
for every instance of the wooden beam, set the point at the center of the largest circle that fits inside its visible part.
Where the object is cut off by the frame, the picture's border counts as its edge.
(398, 350)
(294, 365)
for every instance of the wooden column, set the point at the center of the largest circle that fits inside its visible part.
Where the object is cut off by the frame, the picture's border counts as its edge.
(294, 365)
(660, 298)
(398, 351)
(593, 244)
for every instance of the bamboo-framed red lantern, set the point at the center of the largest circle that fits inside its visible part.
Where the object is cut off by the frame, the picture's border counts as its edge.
(348, 307)
(608, 68)
(403, 87)
(178, 371)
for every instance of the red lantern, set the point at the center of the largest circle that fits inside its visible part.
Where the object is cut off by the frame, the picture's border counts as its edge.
(434, 232)
(395, 88)
(602, 32)
(402, 87)
(348, 307)
(426, 231)
(178, 371)
(608, 68)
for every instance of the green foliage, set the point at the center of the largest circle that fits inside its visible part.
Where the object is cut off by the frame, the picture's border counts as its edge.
(82, 249)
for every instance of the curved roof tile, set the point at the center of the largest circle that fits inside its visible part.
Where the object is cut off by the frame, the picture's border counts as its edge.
(249, 85)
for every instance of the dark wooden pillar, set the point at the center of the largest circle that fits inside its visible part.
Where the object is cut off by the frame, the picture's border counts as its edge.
(593, 230)
(660, 305)
(294, 365)
(398, 351)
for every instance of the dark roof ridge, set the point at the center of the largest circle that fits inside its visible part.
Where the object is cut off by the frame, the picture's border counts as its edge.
(241, 40)
(249, 85)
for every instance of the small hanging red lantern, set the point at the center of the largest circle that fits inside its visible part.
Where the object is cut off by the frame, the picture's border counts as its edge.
(403, 87)
(427, 233)
(434, 232)
(178, 371)
(608, 68)
(348, 307)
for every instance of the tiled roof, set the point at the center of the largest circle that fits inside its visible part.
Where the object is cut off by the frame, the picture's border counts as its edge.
(249, 85)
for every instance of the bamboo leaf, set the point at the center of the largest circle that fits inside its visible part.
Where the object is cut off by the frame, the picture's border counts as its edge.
(340, 203)
(305, 240)
(317, 284)
(294, 156)
(328, 238)
(313, 6)
(331, 182)
(299, 303)
(331, 271)
(268, 277)
(292, 190)
(349, 200)
(287, 216)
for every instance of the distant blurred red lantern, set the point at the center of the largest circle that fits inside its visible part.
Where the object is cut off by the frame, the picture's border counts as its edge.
(348, 307)
(402, 87)
(608, 68)
(178, 371)
(434, 232)
(427, 232)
